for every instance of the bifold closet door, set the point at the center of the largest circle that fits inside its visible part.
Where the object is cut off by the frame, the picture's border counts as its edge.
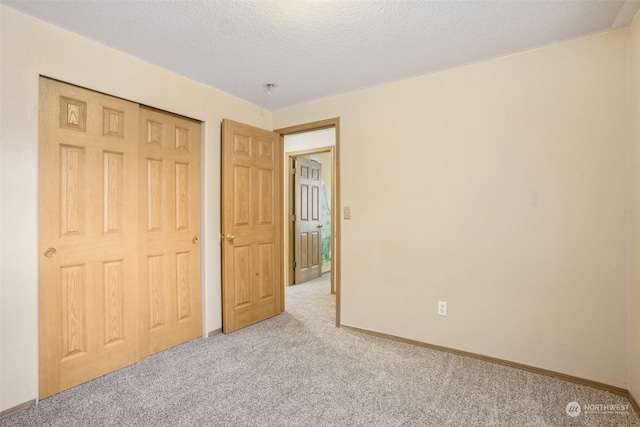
(170, 230)
(119, 230)
(88, 264)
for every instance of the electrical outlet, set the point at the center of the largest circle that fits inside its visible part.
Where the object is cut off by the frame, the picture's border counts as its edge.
(347, 212)
(442, 308)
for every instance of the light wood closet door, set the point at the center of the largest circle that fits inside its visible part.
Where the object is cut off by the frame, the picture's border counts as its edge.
(88, 310)
(119, 249)
(252, 265)
(170, 228)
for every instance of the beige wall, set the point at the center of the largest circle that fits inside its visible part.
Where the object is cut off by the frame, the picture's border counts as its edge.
(634, 140)
(31, 47)
(500, 188)
(310, 140)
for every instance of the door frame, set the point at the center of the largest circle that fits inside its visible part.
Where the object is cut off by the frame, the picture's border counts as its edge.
(335, 200)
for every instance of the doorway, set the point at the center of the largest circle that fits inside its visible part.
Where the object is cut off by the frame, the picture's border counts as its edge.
(310, 140)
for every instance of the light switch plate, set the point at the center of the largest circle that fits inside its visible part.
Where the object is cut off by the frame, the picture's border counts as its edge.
(347, 212)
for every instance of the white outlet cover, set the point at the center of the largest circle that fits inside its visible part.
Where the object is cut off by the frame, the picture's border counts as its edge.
(442, 308)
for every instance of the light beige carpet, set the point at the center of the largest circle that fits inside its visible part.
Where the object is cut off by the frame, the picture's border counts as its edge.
(297, 369)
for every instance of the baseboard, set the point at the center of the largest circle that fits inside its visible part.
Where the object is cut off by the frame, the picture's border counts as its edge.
(634, 403)
(214, 333)
(22, 407)
(577, 380)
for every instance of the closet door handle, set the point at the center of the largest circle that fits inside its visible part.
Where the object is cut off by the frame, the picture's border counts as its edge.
(50, 252)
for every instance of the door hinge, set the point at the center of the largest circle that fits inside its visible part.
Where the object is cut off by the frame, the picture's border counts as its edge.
(293, 171)
(294, 264)
(293, 217)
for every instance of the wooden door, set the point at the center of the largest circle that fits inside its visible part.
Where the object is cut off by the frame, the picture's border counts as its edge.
(170, 230)
(252, 265)
(308, 228)
(88, 231)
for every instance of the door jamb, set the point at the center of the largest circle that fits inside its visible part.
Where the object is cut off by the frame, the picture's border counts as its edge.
(335, 200)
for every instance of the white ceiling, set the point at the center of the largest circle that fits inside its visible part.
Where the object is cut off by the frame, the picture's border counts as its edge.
(314, 49)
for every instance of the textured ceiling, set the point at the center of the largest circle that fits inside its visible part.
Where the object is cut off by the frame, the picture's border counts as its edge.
(314, 49)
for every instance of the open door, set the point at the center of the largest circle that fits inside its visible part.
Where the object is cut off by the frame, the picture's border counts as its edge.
(308, 227)
(252, 263)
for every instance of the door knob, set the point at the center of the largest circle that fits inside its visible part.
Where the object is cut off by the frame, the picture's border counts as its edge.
(194, 240)
(230, 237)
(50, 252)
(319, 226)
